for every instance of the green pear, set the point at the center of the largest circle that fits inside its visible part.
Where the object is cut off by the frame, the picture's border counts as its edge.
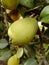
(10, 4)
(23, 30)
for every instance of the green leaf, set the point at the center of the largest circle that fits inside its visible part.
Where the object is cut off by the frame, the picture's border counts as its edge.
(5, 55)
(21, 11)
(47, 57)
(46, 33)
(31, 61)
(46, 36)
(45, 46)
(47, 52)
(47, 1)
(2, 51)
(45, 19)
(38, 2)
(27, 3)
(3, 43)
(19, 53)
(44, 12)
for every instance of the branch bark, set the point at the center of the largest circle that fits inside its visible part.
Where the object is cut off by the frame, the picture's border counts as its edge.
(41, 42)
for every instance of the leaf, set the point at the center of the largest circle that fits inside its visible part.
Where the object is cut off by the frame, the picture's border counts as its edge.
(2, 51)
(46, 36)
(45, 46)
(46, 33)
(31, 61)
(3, 43)
(44, 12)
(47, 57)
(38, 2)
(21, 11)
(5, 56)
(47, 1)
(19, 53)
(47, 52)
(45, 19)
(27, 3)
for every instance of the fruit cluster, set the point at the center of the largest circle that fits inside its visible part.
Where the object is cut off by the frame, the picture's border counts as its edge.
(21, 31)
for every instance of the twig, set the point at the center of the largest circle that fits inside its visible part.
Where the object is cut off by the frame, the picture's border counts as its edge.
(43, 61)
(41, 43)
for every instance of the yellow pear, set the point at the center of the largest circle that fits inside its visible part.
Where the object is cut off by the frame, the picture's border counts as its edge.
(13, 60)
(23, 30)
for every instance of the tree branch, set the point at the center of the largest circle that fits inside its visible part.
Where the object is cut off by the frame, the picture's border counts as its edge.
(41, 43)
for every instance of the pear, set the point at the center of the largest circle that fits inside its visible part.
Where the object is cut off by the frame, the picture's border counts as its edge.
(10, 4)
(23, 30)
(13, 60)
